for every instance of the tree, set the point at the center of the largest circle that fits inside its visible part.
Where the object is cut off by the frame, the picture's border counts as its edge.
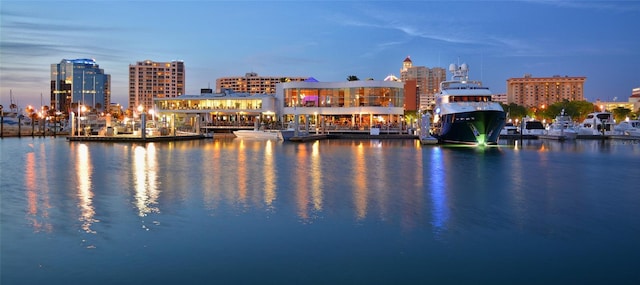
(620, 113)
(352, 78)
(515, 111)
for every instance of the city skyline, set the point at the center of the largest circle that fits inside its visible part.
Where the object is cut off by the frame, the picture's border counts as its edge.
(327, 40)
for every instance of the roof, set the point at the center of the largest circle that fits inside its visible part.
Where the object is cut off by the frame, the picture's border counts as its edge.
(408, 59)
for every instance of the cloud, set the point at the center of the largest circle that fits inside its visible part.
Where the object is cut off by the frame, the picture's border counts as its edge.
(619, 6)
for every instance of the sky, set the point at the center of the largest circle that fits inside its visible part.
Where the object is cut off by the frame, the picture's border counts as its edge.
(327, 40)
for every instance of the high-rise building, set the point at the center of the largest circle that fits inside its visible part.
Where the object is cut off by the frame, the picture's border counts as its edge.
(531, 91)
(252, 83)
(79, 81)
(149, 79)
(427, 81)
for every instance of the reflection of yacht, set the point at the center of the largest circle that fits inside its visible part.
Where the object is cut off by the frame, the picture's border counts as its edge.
(532, 127)
(464, 112)
(264, 134)
(597, 123)
(628, 128)
(562, 128)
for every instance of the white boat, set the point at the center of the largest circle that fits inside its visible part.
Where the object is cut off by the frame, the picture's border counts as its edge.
(532, 127)
(15, 118)
(562, 128)
(264, 134)
(509, 129)
(464, 112)
(596, 124)
(628, 128)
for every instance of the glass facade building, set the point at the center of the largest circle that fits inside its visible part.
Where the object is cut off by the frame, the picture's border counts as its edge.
(79, 81)
(351, 104)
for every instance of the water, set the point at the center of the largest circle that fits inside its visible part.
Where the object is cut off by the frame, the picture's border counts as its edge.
(329, 212)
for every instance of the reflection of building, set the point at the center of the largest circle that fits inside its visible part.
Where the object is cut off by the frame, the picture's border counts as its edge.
(427, 83)
(81, 81)
(531, 91)
(149, 79)
(252, 83)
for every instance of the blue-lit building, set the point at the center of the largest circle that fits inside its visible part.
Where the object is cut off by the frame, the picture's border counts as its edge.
(79, 81)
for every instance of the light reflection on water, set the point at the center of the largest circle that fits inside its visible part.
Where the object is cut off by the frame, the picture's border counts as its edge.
(414, 212)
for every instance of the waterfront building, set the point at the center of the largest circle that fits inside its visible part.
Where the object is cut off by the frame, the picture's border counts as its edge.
(355, 105)
(532, 91)
(251, 83)
(223, 110)
(149, 80)
(79, 81)
(422, 81)
(350, 105)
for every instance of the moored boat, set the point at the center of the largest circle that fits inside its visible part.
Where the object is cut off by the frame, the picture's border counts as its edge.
(562, 128)
(264, 134)
(597, 124)
(628, 128)
(464, 112)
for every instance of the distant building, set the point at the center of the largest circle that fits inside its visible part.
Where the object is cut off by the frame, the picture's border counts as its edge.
(500, 98)
(149, 79)
(79, 81)
(427, 83)
(531, 91)
(252, 83)
(635, 99)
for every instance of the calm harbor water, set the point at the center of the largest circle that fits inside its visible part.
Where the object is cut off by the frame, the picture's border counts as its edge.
(231, 211)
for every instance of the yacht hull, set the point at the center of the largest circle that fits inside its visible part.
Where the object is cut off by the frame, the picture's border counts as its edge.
(477, 127)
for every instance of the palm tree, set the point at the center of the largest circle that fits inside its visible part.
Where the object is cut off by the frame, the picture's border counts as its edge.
(352, 78)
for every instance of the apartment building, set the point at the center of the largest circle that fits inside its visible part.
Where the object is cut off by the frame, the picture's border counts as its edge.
(252, 83)
(532, 91)
(149, 79)
(427, 82)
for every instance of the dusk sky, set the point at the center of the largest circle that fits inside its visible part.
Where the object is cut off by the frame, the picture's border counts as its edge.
(327, 40)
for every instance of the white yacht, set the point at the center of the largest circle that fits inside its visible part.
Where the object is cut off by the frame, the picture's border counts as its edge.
(509, 129)
(597, 123)
(464, 112)
(562, 128)
(264, 134)
(628, 128)
(532, 127)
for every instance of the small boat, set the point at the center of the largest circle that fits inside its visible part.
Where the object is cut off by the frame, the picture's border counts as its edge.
(509, 129)
(562, 128)
(264, 134)
(628, 128)
(464, 112)
(532, 127)
(597, 124)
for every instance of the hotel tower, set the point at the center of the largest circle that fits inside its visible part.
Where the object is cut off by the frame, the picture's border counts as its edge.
(531, 91)
(149, 79)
